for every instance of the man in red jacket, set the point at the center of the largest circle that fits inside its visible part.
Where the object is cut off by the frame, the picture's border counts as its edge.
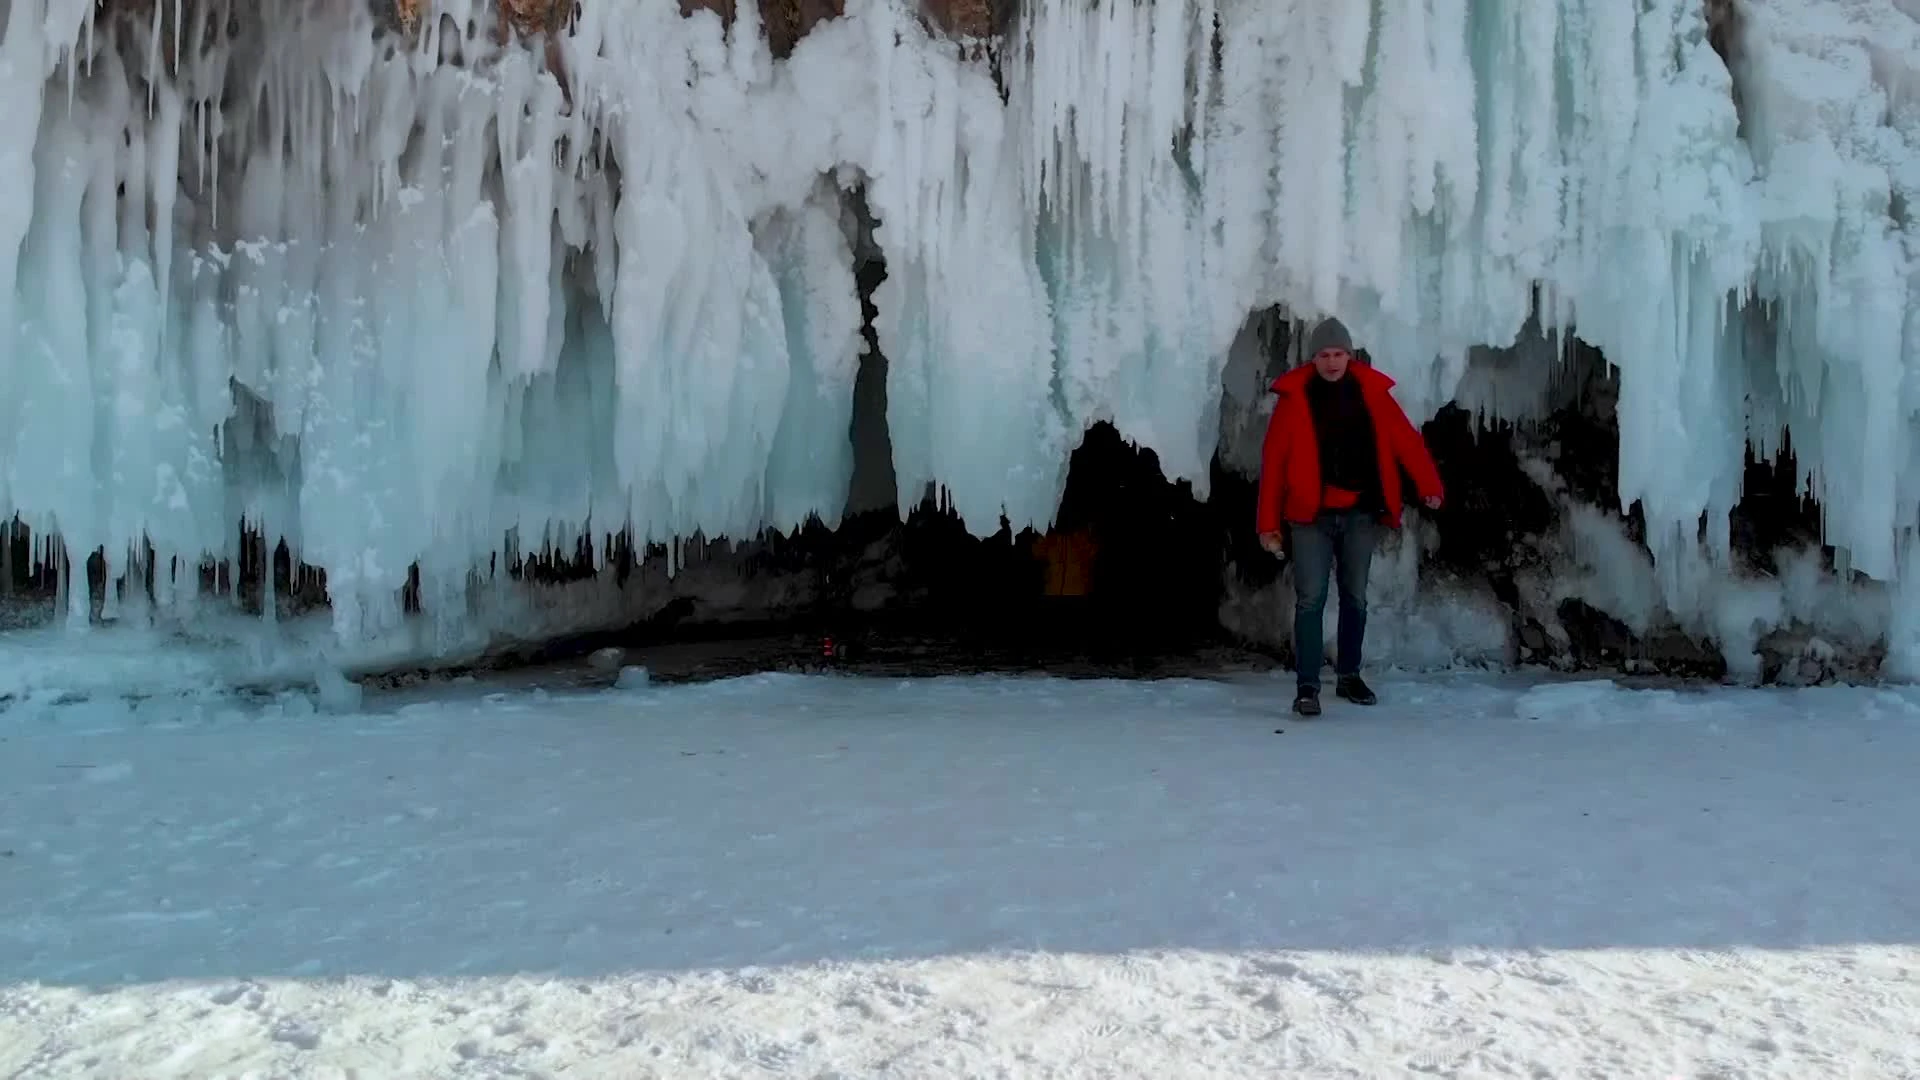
(1330, 478)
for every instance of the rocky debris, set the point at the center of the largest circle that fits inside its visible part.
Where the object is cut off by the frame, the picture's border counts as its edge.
(875, 579)
(1544, 643)
(1796, 656)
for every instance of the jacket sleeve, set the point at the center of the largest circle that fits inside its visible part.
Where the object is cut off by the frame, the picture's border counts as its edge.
(1273, 471)
(1410, 449)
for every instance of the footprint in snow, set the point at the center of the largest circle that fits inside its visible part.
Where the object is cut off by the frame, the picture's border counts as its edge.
(298, 1036)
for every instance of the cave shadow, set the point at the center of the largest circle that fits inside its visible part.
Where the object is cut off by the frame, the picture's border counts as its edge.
(1125, 581)
(793, 820)
(1127, 573)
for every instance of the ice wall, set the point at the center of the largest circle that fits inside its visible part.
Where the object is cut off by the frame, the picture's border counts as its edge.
(428, 300)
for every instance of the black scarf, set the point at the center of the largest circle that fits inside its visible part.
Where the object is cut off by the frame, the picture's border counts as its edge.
(1343, 428)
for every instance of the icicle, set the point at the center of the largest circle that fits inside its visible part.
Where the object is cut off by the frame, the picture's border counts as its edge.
(155, 72)
(166, 595)
(78, 594)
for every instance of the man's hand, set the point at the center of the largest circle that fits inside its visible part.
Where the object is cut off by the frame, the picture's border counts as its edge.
(1432, 502)
(1274, 543)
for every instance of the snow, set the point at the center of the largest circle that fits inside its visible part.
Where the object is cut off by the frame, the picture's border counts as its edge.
(428, 302)
(825, 876)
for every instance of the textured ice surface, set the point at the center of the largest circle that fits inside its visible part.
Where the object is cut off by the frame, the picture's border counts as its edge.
(422, 303)
(964, 877)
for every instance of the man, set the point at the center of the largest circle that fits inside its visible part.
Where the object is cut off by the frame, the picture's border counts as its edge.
(1330, 477)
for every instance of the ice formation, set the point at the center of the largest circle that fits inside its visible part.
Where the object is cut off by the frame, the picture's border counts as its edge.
(423, 300)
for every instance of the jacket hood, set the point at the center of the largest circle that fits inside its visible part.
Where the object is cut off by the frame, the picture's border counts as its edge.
(1370, 377)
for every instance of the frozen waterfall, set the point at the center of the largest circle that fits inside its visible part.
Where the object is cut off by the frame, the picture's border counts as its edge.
(419, 300)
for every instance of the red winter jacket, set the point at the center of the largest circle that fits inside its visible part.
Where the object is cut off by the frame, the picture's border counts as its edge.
(1290, 485)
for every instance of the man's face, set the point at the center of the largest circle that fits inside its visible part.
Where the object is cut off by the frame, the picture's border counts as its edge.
(1331, 363)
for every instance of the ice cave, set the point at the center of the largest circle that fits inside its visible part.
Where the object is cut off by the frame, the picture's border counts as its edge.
(414, 332)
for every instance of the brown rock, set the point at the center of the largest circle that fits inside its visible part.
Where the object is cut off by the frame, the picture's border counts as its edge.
(789, 20)
(407, 13)
(964, 18)
(1723, 21)
(534, 16)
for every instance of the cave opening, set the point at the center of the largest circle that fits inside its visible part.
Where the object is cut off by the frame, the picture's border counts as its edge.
(1127, 575)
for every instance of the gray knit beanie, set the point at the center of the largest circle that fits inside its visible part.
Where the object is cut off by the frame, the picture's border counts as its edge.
(1329, 334)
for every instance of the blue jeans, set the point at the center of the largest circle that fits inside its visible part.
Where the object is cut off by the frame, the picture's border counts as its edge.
(1338, 537)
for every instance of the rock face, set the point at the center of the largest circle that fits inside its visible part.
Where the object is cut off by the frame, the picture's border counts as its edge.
(970, 18)
(1722, 25)
(536, 16)
(406, 13)
(525, 16)
(787, 21)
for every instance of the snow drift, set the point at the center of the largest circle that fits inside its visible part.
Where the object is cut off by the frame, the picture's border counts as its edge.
(430, 300)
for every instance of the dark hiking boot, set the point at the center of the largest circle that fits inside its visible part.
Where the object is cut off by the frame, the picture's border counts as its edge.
(1353, 688)
(1306, 701)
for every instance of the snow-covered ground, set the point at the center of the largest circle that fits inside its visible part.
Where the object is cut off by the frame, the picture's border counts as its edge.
(967, 877)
